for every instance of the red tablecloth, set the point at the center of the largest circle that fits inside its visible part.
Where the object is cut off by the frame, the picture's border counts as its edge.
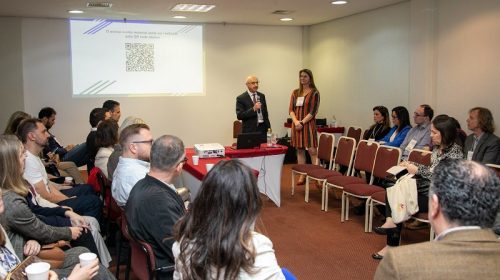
(263, 151)
(199, 171)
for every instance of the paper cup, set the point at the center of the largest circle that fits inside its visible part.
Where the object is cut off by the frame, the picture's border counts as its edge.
(68, 180)
(38, 271)
(195, 160)
(209, 166)
(87, 258)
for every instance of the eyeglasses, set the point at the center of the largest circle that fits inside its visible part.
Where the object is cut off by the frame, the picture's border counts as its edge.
(184, 160)
(143, 141)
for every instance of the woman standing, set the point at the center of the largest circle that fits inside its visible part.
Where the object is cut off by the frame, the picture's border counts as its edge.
(220, 242)
(381, 126)
(443, 136)
(304, 104)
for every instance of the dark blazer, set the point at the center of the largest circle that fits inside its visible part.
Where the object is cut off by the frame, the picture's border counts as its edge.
(152, 209)
(245, 112)
(487, 150)
(464, 254)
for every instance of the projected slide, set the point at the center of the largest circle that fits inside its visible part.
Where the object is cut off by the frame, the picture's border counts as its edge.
(111, 57)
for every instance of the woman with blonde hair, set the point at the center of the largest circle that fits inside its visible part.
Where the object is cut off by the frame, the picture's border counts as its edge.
(19, 221)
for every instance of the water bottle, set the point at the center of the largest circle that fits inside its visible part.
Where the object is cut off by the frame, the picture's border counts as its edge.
(334, 121)
(269, 136)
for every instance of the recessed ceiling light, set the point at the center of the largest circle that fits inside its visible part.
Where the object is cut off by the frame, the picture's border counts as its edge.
(75, 12)
(339, 2)
(179, 17)
(192, 8)
(286, 19)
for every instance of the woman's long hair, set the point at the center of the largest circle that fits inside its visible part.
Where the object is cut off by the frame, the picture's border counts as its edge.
(106, 134)
(447, 126)
(11, 174)
(215, 235)
(403, 117)
(300, 91)
(14, 121)
(385, 113)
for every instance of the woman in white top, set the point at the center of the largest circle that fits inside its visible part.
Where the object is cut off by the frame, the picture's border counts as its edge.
(215, 239)
(105, 139)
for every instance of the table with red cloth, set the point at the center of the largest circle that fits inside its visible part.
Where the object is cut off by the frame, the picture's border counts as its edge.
(266, 161)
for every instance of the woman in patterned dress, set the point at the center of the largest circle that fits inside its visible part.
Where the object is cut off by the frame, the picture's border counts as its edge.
(304, 104)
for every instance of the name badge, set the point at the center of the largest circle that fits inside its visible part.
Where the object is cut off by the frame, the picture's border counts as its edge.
(411, 145)
(469, 155)
(371, 140)
(300, 101)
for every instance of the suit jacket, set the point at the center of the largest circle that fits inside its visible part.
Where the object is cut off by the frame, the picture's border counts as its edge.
(245, 112)
(464, 254)
(487, 150)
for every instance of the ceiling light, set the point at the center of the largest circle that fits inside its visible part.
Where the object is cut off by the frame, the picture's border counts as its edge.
(75, 12)
(192, 8)
(179, 17)
(286, 19)
(339, 2)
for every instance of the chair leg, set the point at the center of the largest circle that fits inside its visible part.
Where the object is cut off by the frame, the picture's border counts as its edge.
(326, 196)
(306, 197)
(367, 213)
(293, 183)
(323, 196)
(342, 210)
(431, 233)
(346, 207)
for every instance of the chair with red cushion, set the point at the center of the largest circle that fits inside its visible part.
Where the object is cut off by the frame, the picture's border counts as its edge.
(325, 153)
(420, 156)
(355, 132)
(365, 157)
(386, 158)
(142, 259)
(377, 198)
(343, 157)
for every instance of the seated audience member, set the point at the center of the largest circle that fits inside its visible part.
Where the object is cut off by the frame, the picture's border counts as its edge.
(106, 139)
(401, 122)
(220, 242)
(482, 145)
(154, 205)
(117, 151)
(133, 164)
(113, 107)
(463, 201)
(419, 135)
(27, 231)
(80, 198)
(443, 134)
(97, 115)
(14, 121)
(382, 124)
(76, 154)
(32, 248)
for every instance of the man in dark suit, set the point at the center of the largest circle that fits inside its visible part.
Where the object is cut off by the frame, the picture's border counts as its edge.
(251, 108)
(463, 202)
(482, 145)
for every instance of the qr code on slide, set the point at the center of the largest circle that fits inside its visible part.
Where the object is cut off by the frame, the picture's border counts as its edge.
(139, 57)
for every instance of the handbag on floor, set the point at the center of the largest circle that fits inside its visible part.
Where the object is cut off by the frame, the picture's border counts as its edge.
(403, 198)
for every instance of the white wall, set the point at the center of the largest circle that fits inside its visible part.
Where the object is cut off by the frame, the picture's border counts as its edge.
(361, 61)
(11, 78)
(468, 57)
(232, 52)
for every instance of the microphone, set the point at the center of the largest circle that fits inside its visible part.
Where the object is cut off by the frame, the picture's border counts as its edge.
(257, 99)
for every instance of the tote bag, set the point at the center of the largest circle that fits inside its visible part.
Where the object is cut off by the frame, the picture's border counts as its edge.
(403, 198)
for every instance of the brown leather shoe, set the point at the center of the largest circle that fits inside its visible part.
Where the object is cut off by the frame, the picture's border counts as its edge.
(301, 181)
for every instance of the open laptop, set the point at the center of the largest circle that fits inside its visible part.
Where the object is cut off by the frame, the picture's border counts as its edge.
(249, 140)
